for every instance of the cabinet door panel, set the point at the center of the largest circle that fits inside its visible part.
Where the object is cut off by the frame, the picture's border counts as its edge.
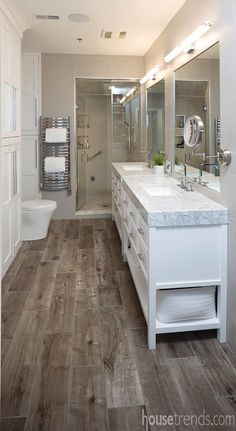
(29, 155)
(15, 61)
(30, 112)
(6, 52)
(6, 109)
(30, 74)
(16, 223)
(7, 240)
(6, 178)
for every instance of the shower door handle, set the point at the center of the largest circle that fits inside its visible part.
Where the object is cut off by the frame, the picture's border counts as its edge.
(93, 156)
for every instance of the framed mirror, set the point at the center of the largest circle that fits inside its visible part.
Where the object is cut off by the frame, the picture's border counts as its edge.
(156, 117)
(197, 96)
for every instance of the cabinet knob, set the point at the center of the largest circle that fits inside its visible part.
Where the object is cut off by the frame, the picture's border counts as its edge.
(140, 230)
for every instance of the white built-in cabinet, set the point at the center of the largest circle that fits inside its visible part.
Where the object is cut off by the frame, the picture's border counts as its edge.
(11, 203)
(10, 133)
(10, 80)
(31, 110)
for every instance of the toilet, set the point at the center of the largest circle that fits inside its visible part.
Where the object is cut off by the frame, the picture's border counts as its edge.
(36, 216)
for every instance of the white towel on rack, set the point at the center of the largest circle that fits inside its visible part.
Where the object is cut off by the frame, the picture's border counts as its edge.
(54, 165)
(55, 134)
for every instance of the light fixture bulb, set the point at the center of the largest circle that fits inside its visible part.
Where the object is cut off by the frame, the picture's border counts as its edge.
(176, 51)
(150, 74)
(129, 93)
(189, 42)
(200, 31)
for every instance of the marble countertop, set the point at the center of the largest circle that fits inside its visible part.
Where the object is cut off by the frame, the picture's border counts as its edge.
(122, 172)
(180, 208)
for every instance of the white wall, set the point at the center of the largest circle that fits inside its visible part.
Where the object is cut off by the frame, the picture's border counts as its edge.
(222, 14)
(58, 80)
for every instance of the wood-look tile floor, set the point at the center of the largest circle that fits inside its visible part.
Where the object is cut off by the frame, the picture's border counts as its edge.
(74, 351)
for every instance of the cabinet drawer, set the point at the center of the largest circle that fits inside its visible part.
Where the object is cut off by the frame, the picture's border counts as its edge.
(114, 179)
(133, 235)
(143, 231)
(126, 219)
(125, 198)
(118, 185)
(118, 203)
(133, 212)
(143, 258)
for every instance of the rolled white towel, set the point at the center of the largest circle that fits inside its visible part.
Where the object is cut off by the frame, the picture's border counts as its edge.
(54, 165)
(54, 135)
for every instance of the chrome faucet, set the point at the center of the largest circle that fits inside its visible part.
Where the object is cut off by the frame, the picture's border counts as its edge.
(168, 168)
(183, 180)
(150, 163)
(184, 184)
(202, 166)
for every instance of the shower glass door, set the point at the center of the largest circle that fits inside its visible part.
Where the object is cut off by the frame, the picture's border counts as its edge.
(82, 146)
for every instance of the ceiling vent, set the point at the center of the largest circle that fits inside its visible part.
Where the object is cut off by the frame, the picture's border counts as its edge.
(122, 34)
(46, 17)
(112, 34)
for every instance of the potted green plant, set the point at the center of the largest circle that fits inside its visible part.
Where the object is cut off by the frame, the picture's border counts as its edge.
(159, 161)
(177, 162)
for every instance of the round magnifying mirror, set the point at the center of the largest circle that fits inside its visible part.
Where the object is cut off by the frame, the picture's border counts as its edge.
(193, 131)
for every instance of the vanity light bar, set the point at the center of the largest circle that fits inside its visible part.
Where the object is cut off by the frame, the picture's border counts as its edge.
(150, 74)
(172, 54)
(130, 92)
(189, 41)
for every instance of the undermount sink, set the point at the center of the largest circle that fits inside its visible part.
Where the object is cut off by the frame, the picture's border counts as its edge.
(133, 167)
(154, 190)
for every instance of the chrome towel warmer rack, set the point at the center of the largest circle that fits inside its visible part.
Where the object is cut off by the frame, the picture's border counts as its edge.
(52, 182)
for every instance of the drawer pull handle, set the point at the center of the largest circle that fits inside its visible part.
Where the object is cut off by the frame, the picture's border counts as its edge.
(140, 230)
(125, 202)
(140, 256)
(132, 213)
(125, 220)
(132, 235)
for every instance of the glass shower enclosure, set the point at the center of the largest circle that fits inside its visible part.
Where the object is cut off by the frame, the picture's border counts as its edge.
(108, 130)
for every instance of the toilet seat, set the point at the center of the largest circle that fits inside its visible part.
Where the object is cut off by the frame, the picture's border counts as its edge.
(38, 205)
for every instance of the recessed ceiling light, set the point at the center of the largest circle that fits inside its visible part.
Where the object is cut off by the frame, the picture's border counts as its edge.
(79, 17)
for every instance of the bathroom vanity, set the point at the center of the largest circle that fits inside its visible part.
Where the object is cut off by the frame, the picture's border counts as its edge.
(175, 243)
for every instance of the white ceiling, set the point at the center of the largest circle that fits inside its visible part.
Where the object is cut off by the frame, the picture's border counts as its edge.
(143, 20)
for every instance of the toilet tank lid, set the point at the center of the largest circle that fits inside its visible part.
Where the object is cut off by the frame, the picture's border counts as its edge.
(38, 205)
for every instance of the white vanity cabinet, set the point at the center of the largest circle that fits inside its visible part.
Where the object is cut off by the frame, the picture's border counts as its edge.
(117, 206)
(173, 258)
